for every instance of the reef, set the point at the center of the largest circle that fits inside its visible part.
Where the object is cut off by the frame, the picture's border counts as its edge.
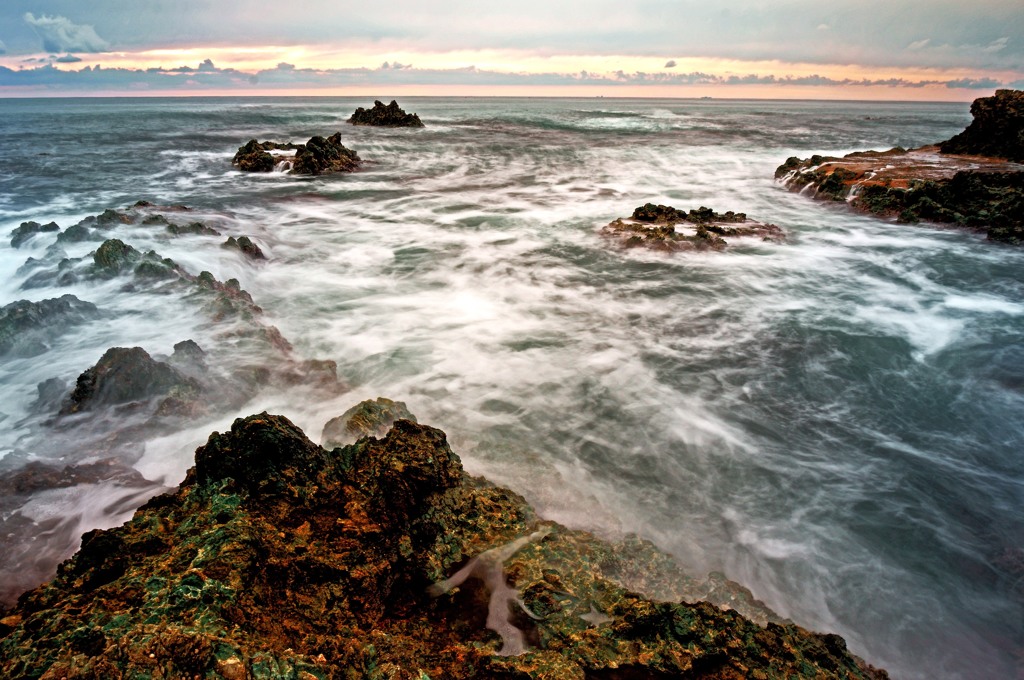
(380, 115)
(662, 227)
(318, 156)
(974, 180)
(278, 558)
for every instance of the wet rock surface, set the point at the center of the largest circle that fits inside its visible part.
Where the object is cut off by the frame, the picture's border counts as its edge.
(370, 418)
(662, 227)
(318, 156)
(123, 375)
(975, 192)
(29, 229)
(27, 328)
(974, 180)
(380, 115)
(278, 558)
(244, 245)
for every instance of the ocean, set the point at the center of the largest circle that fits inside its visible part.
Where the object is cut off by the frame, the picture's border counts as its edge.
(835, 421)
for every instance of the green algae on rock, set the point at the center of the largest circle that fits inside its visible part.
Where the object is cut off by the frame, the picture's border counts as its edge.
(278, 558)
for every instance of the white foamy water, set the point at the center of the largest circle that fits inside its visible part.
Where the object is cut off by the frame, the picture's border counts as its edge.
(833, 421)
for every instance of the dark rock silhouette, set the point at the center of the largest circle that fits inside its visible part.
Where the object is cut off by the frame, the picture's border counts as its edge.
(380, 115)
(997, 129)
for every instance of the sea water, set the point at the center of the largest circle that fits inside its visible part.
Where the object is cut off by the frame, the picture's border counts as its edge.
(834, 421)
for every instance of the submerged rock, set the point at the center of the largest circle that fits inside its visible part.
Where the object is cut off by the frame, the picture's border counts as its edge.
(318, 156)
(974, 180)
(662, 227)
(29, 229)
(370, 418)
(244, 245)
(997, 129)
(26, 328)
(278, 558)
(380, 115)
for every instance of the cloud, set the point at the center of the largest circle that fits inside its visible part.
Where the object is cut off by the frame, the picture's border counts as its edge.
(997, 45)
(68, 59)
(973, 83)
(209, 77)
(394, 66)
(59, 34)
(671, 63)
(919, 44)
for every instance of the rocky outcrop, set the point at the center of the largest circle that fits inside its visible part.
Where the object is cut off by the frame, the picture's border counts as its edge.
(244, 245)
(318, 156)
(974, 180)
(382, 559)
(662, 227)
(984, 194)
(370, 418)
(124, 375)
(27, 328)
(29, 229)
(997, 129)
(321, 156)
(380, 115)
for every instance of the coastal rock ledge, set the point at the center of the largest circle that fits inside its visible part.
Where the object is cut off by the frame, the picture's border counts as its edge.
(974, 180)
(277, 558)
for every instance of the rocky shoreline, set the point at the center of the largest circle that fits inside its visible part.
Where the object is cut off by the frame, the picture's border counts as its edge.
(974, 180)
(376, 555)
(380, 559)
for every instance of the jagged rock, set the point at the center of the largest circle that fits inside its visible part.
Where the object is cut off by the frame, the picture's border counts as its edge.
(321, 156)
(115, 257)
(997, 129)
(123, 375)
(318, 156)
(277, 558)
(662, 227)
(391, 115)
(29, 229)
(26, 327)
(191, 228)
(370, 418)
(244, 245)
(76, 233)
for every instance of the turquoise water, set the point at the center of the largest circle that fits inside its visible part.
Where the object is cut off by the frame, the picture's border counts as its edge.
(834, 421)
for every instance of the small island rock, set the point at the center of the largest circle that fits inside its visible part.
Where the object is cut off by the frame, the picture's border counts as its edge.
(380, 115)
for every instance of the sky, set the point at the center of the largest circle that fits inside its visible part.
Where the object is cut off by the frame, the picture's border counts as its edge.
(941, 50)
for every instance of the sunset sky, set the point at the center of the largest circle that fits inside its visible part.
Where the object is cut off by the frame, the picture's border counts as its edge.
(893, 49)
